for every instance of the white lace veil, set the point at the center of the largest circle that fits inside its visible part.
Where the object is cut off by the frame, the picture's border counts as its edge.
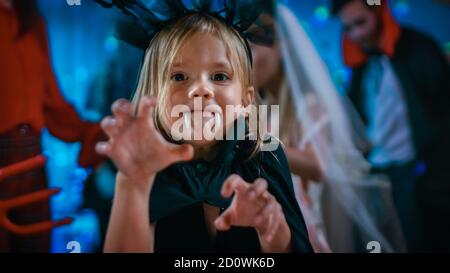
(357, 206)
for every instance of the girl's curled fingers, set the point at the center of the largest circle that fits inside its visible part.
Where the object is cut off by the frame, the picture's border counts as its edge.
(258, 187)
(233, 183)
(103, 148)
(145, 107)
(122, 108)
(110, 126)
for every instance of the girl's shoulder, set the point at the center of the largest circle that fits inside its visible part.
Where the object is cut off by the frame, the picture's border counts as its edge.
(270, 152)
(269, 149)
(269, 162)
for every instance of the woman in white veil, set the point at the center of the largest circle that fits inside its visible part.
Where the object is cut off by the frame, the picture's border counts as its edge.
(350, 210)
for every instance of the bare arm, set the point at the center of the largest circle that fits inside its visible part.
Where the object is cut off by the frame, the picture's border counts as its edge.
(304, 163)
(139, 152)
(129, 229)
(281, 238)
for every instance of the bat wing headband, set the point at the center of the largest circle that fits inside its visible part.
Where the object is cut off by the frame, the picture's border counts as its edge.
(147, 17)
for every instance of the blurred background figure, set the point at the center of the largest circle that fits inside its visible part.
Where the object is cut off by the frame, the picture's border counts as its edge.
(274, 89)
(338, 208)
(94, 68)
(400, 87)
(30, 100)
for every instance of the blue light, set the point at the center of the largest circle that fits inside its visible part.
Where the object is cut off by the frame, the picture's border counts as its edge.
(342, 75)
(321, 14)
(420, 168)
(401, 8)
(111, 44)
(80, 174)
(61, 159)
(47, 154)
(81, 74)
(67, 82)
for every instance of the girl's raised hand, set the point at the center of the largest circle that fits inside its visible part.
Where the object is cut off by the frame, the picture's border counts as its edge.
(252, 206)
(137, 148)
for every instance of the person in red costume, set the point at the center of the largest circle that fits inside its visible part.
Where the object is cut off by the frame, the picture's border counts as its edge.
(30, 100)
(400, 87)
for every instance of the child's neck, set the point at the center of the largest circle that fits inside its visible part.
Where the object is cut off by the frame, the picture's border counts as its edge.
(206, 152)
(209, 150)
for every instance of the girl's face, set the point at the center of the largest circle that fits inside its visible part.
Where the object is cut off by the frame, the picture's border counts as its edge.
(202, 72)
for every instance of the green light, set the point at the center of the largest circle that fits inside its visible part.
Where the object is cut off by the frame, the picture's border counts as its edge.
(447, 47)
(321, 13)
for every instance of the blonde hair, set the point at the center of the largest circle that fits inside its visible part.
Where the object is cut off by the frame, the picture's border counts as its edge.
(163, 49)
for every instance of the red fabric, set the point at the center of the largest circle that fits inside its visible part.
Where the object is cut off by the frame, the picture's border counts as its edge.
(17, 145)
(390, 33)
(29, 91)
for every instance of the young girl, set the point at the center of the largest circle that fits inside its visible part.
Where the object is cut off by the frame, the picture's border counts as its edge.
(196, 195)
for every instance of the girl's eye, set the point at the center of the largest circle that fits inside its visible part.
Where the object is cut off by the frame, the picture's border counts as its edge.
(220, 77)
(178, 77)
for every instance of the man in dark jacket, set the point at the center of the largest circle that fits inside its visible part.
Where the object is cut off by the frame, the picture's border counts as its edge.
(401, 88)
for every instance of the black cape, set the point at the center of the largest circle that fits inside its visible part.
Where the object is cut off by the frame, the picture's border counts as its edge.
(181, 189)
(424, 74)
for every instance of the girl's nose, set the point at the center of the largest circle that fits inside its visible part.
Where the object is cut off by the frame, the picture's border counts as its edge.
(201, 90)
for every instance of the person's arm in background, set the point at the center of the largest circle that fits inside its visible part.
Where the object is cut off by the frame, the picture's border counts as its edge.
(304, 163)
